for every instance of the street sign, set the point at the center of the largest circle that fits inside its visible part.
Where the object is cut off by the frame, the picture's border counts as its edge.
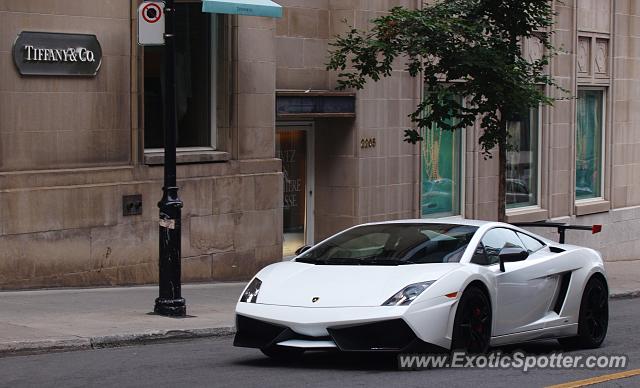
(151, 23)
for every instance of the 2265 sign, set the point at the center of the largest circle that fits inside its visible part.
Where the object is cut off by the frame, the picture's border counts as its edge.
(57, 54)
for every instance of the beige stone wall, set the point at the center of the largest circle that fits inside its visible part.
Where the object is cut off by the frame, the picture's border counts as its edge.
(301, 45)
(54, 122)
(302, 37)
(556, 139)
(254, 66)
(358, 185)
(74, 234)
(626, 99)
(559, 122)
(352, 185)
(387, 174)
(70, 147)
(573, 19)
(582, 28)
(61, 221)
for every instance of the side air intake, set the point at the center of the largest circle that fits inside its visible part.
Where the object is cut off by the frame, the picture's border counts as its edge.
(562, 295)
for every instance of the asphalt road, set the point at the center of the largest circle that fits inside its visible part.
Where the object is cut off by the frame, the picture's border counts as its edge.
(215, 363)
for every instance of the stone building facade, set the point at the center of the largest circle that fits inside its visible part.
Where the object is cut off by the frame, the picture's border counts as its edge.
(73, 147)
(257, 182)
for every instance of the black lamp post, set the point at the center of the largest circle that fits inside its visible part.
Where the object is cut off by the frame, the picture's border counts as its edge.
(170, 301)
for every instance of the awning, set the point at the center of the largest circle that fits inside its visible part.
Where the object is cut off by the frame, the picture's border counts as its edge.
(243, 7)
(315, 104)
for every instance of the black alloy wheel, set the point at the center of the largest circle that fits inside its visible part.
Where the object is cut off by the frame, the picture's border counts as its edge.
(472, 324)
(593, 320)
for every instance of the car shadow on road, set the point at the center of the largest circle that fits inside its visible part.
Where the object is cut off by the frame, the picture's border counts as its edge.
(362, 361)
(328, 360)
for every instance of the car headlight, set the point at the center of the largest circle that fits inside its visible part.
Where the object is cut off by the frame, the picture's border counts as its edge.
(407, 294)
(250, 294)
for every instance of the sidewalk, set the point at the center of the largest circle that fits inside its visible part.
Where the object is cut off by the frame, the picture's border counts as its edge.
(72, 319)
(624, 278)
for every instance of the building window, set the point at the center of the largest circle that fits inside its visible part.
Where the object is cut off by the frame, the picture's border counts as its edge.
(589, 139)
(441, 172)
(522, 161)
(196, 48)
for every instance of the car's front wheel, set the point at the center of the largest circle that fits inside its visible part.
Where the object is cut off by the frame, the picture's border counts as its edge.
(472, 324)
(284, 353)
(594, 317)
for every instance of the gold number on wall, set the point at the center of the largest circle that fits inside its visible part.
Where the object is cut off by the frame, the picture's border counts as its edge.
(368, 142)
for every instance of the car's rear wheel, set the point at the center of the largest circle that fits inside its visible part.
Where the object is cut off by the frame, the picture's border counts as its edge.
(593, 320)
(284, 353)
(472, 324)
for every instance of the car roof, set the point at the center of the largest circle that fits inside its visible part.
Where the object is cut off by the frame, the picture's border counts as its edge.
(462, 221)
(448, 220)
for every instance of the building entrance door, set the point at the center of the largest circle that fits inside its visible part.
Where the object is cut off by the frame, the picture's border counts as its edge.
(294, 145)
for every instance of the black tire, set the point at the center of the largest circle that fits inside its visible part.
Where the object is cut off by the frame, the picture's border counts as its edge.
(283, 353)
(593, 320)
(472, 324)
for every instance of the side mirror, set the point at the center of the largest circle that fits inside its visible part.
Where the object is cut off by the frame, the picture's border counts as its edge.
(302, 249)
(509, 255)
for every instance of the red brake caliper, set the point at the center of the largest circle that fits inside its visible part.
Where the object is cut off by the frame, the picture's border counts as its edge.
(476, 314)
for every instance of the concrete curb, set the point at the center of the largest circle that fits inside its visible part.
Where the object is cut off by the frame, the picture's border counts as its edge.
(158, 336)
(625, 294)
(18, 348)
(44, 346)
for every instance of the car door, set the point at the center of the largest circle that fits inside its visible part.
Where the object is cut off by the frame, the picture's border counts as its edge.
(524, 291)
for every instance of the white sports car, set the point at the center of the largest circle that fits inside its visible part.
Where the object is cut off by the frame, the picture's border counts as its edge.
(416, 285)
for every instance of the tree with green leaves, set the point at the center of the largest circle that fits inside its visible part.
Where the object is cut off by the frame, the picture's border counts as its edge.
(470, 48)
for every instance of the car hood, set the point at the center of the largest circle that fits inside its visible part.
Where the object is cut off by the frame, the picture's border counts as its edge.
(298, 284)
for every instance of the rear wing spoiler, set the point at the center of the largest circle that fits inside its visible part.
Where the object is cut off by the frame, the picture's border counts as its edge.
(562, 228)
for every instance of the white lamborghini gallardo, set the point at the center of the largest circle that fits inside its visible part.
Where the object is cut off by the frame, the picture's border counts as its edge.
(416, 285)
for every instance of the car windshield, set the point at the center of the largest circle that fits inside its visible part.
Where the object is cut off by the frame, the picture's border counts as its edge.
(392, 244)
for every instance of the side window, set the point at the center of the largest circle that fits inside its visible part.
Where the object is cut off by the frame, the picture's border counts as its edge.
(532, 244)
(496, 239)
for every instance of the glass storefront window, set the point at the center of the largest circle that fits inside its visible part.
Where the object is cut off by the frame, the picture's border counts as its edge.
(196, 47)
(291, 147)
(589, 143)
(522, 162)
(440, 160)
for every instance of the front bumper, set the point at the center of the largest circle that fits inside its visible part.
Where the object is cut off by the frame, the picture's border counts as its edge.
(389, 335)
(346, 328)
